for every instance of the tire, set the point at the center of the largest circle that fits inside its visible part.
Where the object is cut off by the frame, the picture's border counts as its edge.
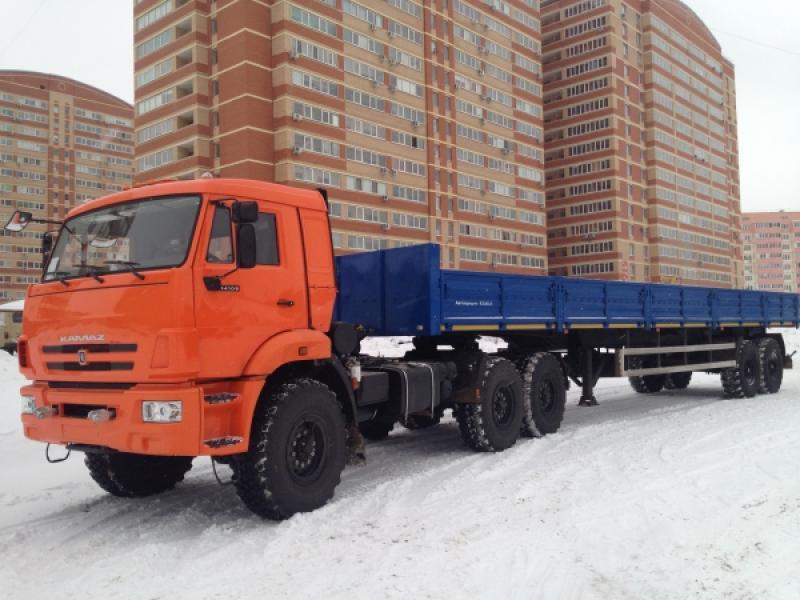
(742, 381)
(136, 475)
(493, 423)
(645, 384)
(545, 394)
(297, 451)
(678, 381)
(771, 357)
(375, 430)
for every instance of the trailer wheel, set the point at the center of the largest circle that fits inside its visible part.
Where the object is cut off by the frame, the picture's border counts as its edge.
(376, 429)
(771, 366)
(742, 381)
(297, 451)
(645, 384)
(136, 475)
(493, 423)
(545, 394)
(678, 381)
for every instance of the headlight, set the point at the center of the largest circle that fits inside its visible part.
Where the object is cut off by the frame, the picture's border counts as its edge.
(28, 405)
(170, 411)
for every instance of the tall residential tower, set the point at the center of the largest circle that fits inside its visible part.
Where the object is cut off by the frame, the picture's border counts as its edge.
(641, 144)
(62, 142)
(422, 118)
(772, 251)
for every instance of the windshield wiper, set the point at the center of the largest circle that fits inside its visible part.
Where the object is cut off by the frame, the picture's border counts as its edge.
(126, 263)
(60, 276)
(93, 272)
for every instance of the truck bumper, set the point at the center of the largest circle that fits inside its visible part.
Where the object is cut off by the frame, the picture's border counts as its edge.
(208, 427)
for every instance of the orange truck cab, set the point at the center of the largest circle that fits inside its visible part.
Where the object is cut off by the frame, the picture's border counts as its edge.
(161, 312)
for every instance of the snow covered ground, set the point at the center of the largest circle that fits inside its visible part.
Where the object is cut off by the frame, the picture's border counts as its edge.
(669, 496)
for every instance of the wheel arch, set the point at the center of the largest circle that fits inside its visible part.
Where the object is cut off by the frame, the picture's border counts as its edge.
(285, 348)
(330, 372)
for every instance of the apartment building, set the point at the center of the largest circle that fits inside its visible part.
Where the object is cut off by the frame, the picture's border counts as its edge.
(62, 142)
(772, 251)
(641, 144)
(423, 119)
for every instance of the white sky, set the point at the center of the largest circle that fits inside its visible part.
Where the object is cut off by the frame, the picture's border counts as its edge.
(90, 40)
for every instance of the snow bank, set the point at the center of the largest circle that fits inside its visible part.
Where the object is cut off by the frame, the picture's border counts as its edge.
(10, 382)
(396, 347)
(792, 339)
(671, 496)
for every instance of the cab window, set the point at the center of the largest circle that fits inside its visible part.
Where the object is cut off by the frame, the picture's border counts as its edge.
(266, 240)
(220, 246)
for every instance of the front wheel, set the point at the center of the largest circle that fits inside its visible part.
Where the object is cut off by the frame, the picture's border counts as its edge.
(136, 475)
(297, 451)
(493, 423)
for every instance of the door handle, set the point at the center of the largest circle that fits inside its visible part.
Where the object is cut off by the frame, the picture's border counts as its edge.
(285, 302)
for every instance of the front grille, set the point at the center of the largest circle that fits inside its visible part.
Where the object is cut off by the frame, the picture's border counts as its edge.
(88, 385)
(90, 348)
(90, 367)
(81, 357)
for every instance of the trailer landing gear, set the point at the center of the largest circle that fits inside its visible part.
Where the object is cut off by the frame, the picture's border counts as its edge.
(588, 380)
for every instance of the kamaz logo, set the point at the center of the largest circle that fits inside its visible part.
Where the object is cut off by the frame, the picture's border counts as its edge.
(73, 339)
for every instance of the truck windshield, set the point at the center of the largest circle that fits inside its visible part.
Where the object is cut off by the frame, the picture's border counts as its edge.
(146, 234)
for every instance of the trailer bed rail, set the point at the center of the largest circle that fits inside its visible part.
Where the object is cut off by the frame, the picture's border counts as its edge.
(403, 291)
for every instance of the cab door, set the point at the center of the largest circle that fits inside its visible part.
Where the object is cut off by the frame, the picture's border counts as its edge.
(249, 306)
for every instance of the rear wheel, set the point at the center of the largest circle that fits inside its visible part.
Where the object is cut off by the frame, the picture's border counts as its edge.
(136, 475)
(645, 384)
(493, 423)
(678, 381)
(742, 381)
(545, 394)
(771, 358)
(297, 451)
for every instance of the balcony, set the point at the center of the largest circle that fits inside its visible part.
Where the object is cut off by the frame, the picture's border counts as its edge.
(185, 120)
(184, 89)
(183, 28)
(185, 150)
(183, 58)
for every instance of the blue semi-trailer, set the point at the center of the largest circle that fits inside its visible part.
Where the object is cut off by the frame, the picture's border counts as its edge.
(557, 330)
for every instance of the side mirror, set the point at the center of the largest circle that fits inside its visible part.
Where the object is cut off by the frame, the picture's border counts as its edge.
(246, 246)
(18, 221)
(47, 244)
(245, 212)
